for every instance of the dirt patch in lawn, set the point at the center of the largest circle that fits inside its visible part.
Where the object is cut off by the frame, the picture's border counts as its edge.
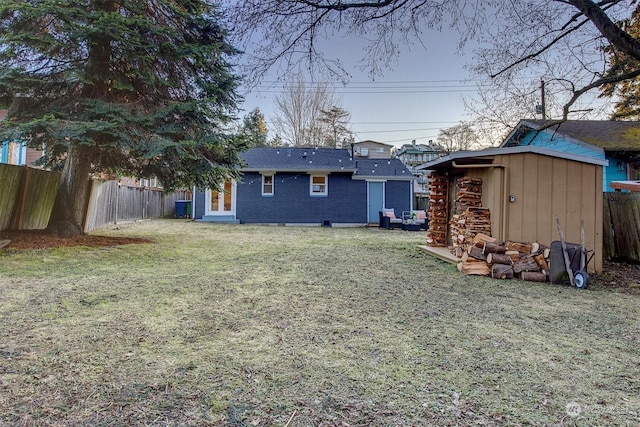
(38, 239)
(619, 276)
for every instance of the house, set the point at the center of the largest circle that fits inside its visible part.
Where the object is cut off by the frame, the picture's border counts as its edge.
(414, 155)
(372, 150)
(616, 141)
(308, 186)
(526, 187)
(15, 152)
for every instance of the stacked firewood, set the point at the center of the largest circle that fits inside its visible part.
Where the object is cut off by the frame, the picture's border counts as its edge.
(469, 217)
(468, 193)
(466, 225)
(488, 257)
(437, 210)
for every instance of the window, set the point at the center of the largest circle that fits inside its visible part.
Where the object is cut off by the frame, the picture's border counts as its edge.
(319, 185)
(364, 151)
(267, 185)
(380, 150)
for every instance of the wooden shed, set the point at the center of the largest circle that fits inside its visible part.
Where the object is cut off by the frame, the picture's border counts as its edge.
(526, 187)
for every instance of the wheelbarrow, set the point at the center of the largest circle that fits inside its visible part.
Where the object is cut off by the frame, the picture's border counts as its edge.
(568, 261)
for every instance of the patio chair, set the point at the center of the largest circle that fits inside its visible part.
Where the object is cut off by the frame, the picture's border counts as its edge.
(388, 219)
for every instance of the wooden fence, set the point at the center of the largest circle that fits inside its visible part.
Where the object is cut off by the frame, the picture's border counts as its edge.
(27, 196)
(111, 203)
(621, 219)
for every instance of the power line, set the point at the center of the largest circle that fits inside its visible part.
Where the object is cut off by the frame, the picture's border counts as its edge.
(365, 92)
(388, 141)
(399, 130)
(399, 123)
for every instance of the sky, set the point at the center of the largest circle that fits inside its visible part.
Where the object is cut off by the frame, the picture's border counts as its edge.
(420, 95)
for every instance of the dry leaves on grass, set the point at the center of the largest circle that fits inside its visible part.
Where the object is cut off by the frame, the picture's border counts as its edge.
(38, 239)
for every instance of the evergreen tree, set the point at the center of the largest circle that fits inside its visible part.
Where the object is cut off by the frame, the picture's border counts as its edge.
(254, 129)
(135, 88)
(627, 92)
(337, 132)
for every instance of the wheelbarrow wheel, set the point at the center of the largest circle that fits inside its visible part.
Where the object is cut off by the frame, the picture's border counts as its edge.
(581, 279)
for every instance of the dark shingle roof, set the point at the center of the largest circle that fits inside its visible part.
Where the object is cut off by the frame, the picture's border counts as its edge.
(607, 134)
(387, 168)
(298, 159)
(321, 160)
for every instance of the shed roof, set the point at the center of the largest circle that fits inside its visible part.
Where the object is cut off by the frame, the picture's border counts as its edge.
(486, 157)
(610, 135)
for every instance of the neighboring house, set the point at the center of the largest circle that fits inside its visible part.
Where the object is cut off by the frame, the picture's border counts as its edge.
(616, 141)
(414, 155)
(372, 150)
(307, 186)
(526, 187)
(17, 153)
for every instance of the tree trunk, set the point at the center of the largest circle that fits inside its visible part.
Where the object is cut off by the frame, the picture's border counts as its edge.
(67, 217)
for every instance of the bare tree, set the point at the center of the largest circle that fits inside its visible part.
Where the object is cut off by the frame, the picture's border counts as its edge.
(299, 112)
(560, 41)
(457, 138)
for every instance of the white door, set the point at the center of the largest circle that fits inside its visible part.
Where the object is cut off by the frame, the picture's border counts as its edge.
(221, 202)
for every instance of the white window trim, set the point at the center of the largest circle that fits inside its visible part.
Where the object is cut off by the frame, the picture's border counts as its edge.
(326, 185)
(273, 184)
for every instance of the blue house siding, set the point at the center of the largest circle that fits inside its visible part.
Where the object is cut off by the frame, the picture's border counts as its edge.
(199, 201)
(345, 201)
(555, 142)
(398, 196)
(18, 153)
(292, 203)
(616, 171)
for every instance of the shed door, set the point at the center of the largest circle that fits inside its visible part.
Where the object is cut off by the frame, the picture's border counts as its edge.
(375, 197)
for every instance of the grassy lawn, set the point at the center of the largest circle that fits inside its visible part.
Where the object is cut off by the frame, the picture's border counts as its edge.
(243, 325)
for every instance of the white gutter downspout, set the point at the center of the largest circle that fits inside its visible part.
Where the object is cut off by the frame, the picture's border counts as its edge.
(503, 224)
(193, 203)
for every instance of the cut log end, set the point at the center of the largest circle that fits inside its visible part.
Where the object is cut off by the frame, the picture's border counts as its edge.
(533, 276)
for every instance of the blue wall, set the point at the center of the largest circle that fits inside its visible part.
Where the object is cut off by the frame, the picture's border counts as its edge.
(611, 173)
(544, 140)
(291, 202)
(21, 149)
(199, 202)
(397, 195)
